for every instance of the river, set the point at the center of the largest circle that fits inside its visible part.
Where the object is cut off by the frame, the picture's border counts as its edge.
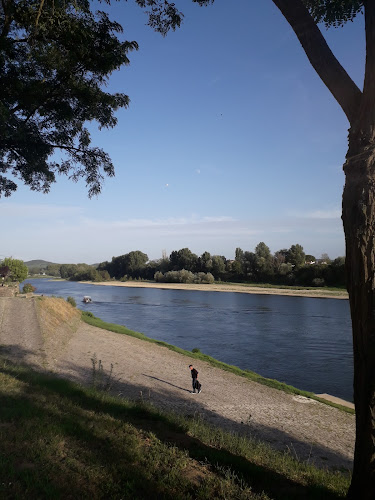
(304, 342)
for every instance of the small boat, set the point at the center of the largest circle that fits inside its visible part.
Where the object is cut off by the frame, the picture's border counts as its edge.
(86, 299)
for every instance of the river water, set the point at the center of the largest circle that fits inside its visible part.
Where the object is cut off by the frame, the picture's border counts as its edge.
(304, 342)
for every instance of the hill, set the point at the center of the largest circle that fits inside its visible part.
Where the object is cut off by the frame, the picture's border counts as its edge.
(40, 264)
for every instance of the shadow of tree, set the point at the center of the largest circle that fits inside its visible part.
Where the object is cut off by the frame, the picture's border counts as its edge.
(171, 400)
(145, 418)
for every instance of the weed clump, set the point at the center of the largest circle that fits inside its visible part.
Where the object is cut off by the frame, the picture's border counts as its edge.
(71, 301)
(28, 288)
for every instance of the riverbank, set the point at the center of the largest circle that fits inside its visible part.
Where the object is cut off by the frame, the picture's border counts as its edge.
(64, 440)
(37, 332)
(234, 288)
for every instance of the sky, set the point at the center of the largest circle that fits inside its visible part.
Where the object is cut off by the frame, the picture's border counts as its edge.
(230, 139)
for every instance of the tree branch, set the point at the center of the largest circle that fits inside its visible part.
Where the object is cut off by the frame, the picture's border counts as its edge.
(19, 40)
(333, 75)
(68, 148)
(7, 19)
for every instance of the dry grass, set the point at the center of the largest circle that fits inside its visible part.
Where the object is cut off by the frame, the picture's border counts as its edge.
(54, 312)
(58, 322)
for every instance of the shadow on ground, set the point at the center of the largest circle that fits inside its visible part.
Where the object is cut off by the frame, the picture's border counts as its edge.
(261, 479)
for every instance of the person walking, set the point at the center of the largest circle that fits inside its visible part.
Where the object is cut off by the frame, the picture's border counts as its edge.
(196, 384)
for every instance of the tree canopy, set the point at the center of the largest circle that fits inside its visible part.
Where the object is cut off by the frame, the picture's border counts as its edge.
(17, 269)
(333, 12)
(55, 57)
(55, 60)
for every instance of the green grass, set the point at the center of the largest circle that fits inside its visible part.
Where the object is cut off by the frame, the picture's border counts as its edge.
(94, 321)
(63, 441)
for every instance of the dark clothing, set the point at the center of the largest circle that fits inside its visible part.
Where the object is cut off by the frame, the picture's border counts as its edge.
(194, 375)
(195, 382)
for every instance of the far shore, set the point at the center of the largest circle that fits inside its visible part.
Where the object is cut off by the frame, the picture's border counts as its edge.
(225, 287)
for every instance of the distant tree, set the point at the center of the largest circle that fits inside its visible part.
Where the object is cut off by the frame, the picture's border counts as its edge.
(180, 276)
(159, 276)
(296, 256)
(285, 269)
(116, 268)
(153, 266)
(105, 266)
(236, 269)
(325, 258)
(239, 255)
(338, 262)
(130, 264)
(53, 270)
(135, 261)
(310, 258)
(18, 270)
(34, 270)
(104, 275)
(308, 275)
(279, 259)
(283, 252)
(205, 262)
(183, 259)
(262, 251)
(337, 272)
(218, 266)
(67, 270)
(205, 278)
(249, 266)
(183, 276)
(77, 272)
(263, 262)
(86, 273)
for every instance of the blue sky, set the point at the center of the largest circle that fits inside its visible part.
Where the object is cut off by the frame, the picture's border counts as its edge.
(230, 139)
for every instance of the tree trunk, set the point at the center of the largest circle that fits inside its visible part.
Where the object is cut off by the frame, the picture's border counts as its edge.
(358, 217)
(359, 226)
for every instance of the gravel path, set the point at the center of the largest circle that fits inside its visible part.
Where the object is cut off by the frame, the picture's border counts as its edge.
(20, 333)
(309, 430)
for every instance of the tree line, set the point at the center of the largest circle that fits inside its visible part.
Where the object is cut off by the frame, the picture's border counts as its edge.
(285, 267)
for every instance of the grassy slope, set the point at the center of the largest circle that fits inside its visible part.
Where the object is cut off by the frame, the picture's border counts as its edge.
(61, 440)
(92, 320)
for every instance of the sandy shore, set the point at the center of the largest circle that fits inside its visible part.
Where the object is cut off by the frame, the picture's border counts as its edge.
(228, 288)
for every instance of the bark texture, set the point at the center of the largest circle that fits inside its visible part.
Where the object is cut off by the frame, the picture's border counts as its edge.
(359, 225)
